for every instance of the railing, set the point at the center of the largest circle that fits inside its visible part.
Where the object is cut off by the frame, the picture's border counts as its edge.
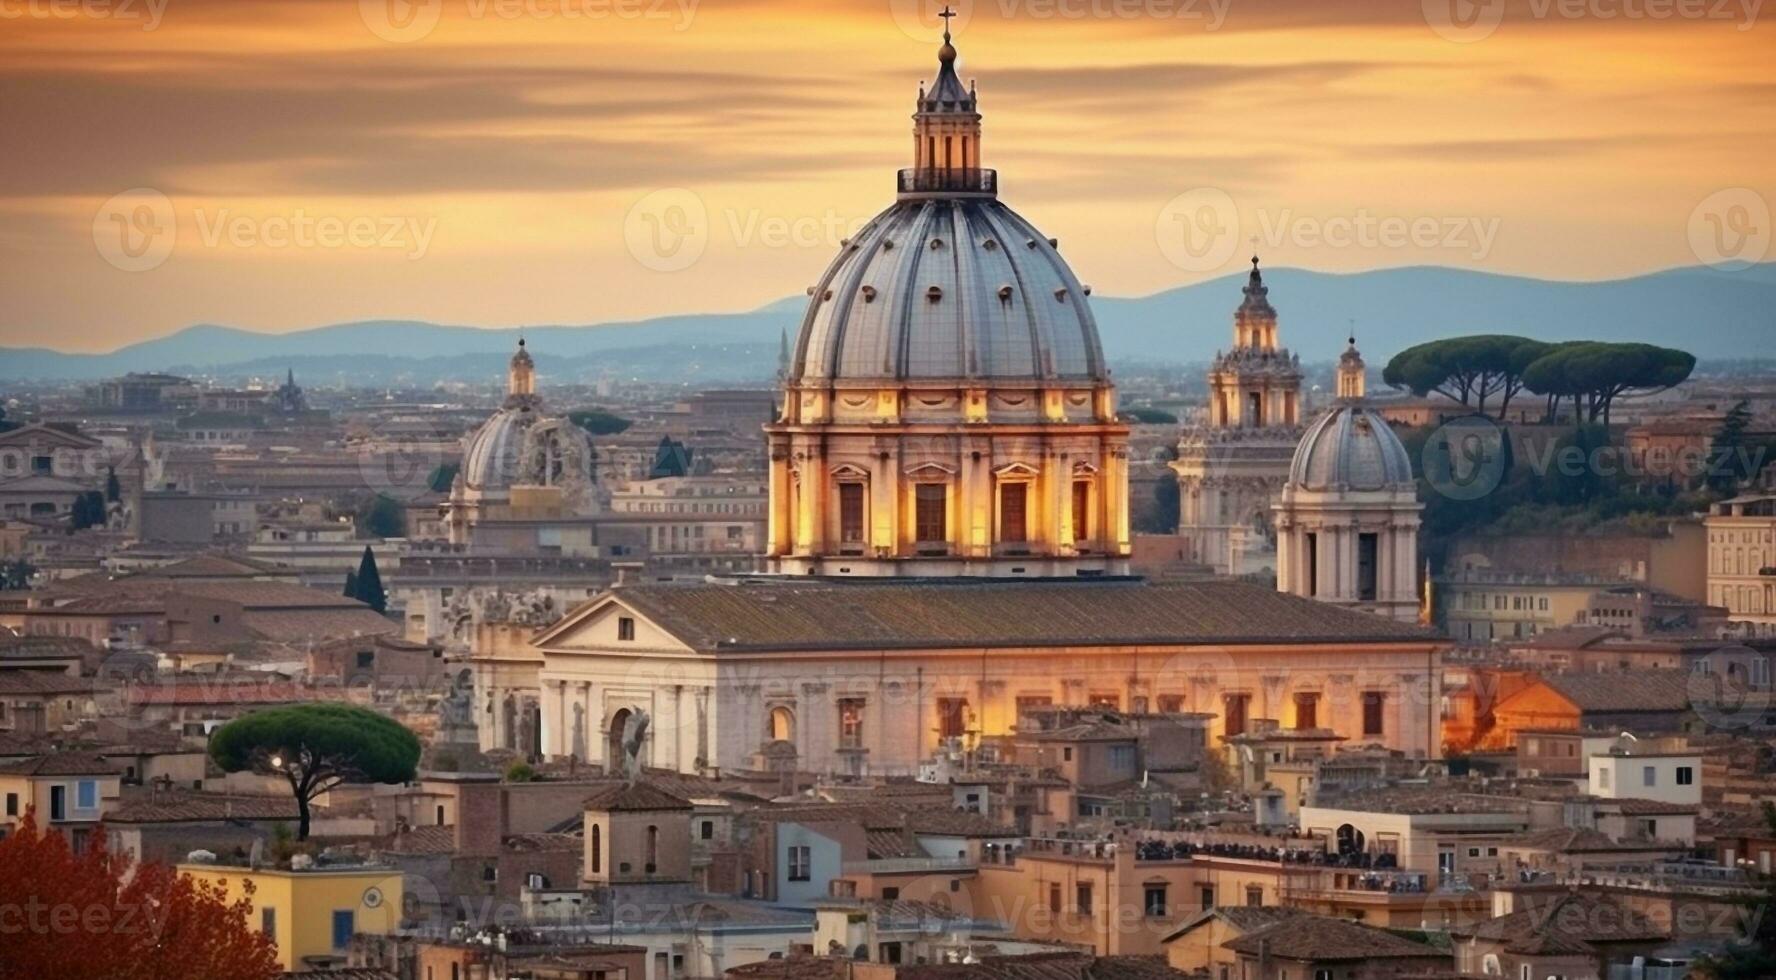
(965, 180)
(908, 864)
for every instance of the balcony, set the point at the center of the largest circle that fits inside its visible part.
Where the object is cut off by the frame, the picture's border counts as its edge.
(951, 180)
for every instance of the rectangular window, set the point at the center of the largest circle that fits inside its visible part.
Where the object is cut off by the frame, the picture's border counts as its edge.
(1013, 526)
(1054, 897)
(86, 794)
(1206, 895)
(12, 804)
(1254, 895)
(1367, 547)
(625, 628)
(851, 513)
(801, 861)
(1312, 560)
(1082, 496)
(952, 717)
(1234, 718)
(1685, 776)
(1649, 776)
(1373, 704)
(268, 921)
(931, 519)
(1082, 898)
(708, 830)
(1155, 901)
(1307, 711)
(344, 924)
(58, 803)
(850, 723)
(1170, 704)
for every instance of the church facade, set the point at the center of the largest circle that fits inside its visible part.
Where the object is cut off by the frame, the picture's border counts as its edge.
(948, 529)
(1231, 467)
(947, 409)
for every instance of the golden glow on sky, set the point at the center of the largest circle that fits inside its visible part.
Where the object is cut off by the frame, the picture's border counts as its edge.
(500, 162)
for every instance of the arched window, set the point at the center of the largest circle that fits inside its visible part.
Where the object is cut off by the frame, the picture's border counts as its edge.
(782, 725)
(1490, 965)
(597, 849)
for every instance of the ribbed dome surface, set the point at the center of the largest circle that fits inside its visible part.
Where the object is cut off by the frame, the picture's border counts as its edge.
(492, 459)
(949, 288)
(1353, 448)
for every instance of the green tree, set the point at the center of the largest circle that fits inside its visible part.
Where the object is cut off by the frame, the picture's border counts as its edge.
(315, 747)
(113, 488)
(443, 477)
(380, 517)
(1595, 374)
(16, 574)
(1470, 370)
(1149, 416)
(520, 772)
(1727, 463)
(599, 422)
(88, 510)
(368, 583)
(1755, 957)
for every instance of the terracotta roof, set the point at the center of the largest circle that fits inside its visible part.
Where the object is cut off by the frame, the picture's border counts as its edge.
(1048, 966)
(1321, 938)
(637, 796)
(882, 845)
(62, 764)
(1569, 840)
(944, 822)
(1245, 918)
(1572, 916)
(193, 807)
(909, 616)
(28, 683)
(1636, 807)
(423, 840)
(1637, 690)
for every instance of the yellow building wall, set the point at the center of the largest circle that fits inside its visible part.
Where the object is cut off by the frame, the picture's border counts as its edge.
(304, 903)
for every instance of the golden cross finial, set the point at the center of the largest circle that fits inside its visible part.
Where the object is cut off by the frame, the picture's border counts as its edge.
(946, 14)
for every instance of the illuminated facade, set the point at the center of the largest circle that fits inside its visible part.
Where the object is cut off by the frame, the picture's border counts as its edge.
(947, 410)
(1231, 468)
(1347, 523)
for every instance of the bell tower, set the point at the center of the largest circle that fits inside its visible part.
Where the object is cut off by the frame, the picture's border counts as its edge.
(946, 126)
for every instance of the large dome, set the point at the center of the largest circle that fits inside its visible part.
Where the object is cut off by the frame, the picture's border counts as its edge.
(1351, 448)
(949, 288)
(491, 460)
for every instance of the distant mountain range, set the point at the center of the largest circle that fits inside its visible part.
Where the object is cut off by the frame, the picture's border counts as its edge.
(1713, 314)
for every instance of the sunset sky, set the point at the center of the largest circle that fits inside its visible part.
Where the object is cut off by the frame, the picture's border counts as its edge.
(502, 162)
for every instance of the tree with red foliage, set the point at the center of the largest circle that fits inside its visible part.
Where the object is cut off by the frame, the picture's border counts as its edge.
(92, 916)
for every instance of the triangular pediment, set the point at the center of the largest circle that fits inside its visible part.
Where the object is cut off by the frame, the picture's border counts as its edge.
(929, 468)
(1016, 469)
(594, 627)
(38, 434)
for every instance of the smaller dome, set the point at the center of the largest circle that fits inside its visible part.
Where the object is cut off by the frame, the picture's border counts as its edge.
(494, 453)
(1351, 448)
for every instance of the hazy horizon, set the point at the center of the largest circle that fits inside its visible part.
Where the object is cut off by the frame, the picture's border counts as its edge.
(497, 163)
